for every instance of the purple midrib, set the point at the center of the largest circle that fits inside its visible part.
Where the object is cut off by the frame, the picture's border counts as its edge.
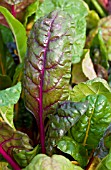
(42, 133)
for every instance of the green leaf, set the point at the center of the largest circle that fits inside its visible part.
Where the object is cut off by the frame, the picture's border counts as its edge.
(93, 123)
(30, 10)
(24, 157)
(66, 115)
(44, 162)
(78, 11)
(11, 95)
(8, 98)
(18, 31)
(76, 150)
(90, 87)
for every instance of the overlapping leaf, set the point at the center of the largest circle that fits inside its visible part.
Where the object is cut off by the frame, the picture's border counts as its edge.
(73, 148)
(93, 123)
(43, 162)
(90, 87)
(10, 140)
(8, 98)
(48, 63)
(18, 31)
(67, 114)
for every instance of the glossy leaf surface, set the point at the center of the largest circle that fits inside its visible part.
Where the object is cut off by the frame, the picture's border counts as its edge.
(78, 12)
(67, 115)
(48, 63)
(93, 123)
(90, 87)
(73, 148)
(56, 162)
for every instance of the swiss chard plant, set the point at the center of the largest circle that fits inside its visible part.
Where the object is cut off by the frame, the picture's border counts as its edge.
(55, 95)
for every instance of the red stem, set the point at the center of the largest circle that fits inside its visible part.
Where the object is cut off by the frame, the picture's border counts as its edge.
(13, 11)
(9, 159)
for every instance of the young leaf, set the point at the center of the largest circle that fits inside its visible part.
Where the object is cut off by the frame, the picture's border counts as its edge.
(67, 115)
(43, 162)
(8, 98)
(48, 65)
(90, 87)
(93, 123)
(10, 140)
(73, 148)
(18, 31)
(78, 12)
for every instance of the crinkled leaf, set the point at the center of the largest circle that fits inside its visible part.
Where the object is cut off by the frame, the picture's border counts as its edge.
(78, 11)
(88, 67)
(18, 31)
(30, 10)
(44, 162)
(66, 116)
(48, 63)
(8, 98)
(104, 144)
(23, 157)
(11, 140)
(93, 123)
(76, 150)
(90, 87)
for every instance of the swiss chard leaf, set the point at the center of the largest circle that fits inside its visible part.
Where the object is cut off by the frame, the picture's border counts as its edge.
(24, 157)
(78, 12)
(73, 148)
(67, 114)
(18, 31)
(11, 140)
(93, 123)
(8, 98)
(48, 65)
(91, 87)
(43, 162)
